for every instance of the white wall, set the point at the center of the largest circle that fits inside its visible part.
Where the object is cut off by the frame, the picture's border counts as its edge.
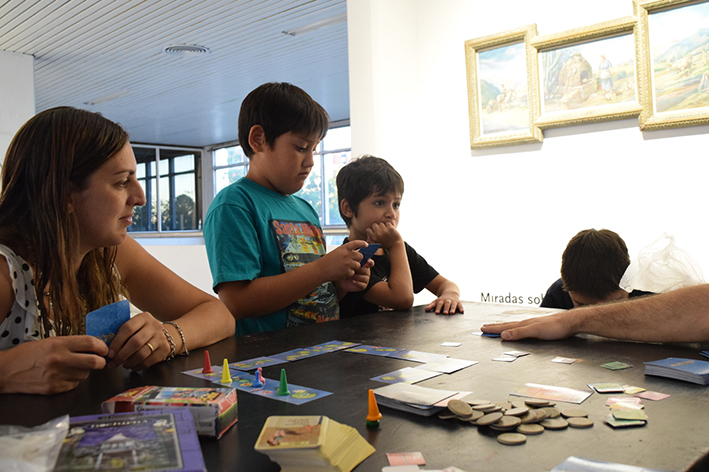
(16, 95)
(497, 221)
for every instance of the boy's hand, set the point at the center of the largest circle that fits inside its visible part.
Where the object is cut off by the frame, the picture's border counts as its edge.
(343, 262)
(448, 303)
(356, 283)
(384, 234)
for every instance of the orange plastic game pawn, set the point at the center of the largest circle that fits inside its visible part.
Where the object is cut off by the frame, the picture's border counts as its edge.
(226, 378)
(207, 369)
(374, 416)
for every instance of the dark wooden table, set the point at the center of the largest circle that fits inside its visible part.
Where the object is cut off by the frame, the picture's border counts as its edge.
(675, 435)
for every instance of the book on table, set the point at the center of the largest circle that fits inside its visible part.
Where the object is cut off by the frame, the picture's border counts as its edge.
(150, 440)
(689, 370)
(312, 443)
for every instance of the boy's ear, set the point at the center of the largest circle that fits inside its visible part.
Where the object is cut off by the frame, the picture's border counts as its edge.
(257, 138)
(346, 208)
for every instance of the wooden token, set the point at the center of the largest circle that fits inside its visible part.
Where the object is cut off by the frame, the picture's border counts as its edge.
(512, 439)
(460, 408)
(476, 415)
(576, 422)
(574, 413)
(555, 423)
(530, 429)
(485, 406)
(489, 418)
(517, 411)
(536, 403)
(478, 402)
(529, 417)
(506, 423)
(552, 412)
(447, 415)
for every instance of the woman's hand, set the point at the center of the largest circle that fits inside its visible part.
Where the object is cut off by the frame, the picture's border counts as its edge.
(140, 343)
(51, 365)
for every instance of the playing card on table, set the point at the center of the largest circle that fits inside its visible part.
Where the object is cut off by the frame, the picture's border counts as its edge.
(105, 322)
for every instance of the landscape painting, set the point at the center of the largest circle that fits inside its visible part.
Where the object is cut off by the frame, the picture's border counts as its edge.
(503, 105)
(502, 89)
(679, 45)
(594, 74)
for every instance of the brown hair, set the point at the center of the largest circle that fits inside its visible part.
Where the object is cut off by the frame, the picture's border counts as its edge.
(594, 262)
(53, 154)
(280, 108)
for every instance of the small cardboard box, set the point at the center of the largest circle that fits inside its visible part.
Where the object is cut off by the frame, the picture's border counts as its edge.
(214, 409)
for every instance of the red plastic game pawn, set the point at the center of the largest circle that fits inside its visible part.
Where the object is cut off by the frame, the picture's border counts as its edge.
(207, 369)
(374, 416)
(260, 375)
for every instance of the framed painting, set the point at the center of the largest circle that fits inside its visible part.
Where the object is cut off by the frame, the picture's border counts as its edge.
(673, 44)
(502, 89)
(588, 74)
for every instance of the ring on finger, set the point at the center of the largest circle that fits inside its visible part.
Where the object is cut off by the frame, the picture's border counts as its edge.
(152, 349)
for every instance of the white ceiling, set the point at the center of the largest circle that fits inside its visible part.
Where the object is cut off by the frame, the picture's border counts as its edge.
(90, 49)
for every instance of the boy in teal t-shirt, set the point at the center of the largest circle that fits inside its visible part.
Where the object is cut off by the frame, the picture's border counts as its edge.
(265, 245)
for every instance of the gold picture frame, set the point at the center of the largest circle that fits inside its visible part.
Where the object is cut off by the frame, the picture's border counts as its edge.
(502, 89)
(572, 91)
(675, 65)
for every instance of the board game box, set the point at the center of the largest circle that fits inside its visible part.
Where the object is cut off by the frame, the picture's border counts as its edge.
(214, 409)
(154, 440)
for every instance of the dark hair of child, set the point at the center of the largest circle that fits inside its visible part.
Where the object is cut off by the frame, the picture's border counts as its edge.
(366, 176)
(280, 108)
(594, 262)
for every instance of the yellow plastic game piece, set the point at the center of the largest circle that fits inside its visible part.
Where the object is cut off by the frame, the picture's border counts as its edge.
(226, 378)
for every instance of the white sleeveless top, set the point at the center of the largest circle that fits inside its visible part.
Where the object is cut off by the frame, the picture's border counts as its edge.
(23, 323)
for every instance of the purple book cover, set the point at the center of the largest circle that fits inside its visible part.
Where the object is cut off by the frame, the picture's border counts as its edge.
(150, 440)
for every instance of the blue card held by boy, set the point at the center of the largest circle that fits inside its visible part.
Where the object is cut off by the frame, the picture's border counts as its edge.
(105, 322)
(368, 252)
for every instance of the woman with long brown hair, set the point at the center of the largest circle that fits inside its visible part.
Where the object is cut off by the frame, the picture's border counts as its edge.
(68, 192)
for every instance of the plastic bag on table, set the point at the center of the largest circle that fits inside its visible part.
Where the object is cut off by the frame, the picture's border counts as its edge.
(661, 267)
(32, 449)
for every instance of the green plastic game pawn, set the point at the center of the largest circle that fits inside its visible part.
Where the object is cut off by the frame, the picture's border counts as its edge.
(283, 388)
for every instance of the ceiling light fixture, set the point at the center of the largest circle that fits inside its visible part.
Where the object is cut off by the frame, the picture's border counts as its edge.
(317, 25)
(186, 50)
(108, 98)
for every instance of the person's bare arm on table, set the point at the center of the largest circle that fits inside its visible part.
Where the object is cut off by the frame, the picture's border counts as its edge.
(398, 291)
(448, 296)
(163, 296)
(264, 295)
(678, 316)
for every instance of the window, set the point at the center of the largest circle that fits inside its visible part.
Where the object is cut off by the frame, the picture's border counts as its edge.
(320, 189)
(171, 180)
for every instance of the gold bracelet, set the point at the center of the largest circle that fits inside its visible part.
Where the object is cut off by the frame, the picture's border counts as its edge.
(182, 336)
(172, 345)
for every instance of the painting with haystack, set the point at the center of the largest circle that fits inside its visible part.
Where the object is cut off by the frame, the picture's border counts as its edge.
(599, 73)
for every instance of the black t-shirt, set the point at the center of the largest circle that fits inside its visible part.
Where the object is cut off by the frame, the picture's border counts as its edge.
(354, 304)
(557, 297)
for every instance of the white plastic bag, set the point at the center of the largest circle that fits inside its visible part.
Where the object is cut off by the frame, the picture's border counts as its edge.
(661, 267)
(32, 449)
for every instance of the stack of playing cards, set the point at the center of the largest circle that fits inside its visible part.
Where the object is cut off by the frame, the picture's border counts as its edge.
(312, 443)
(689, 370)
(412, 398)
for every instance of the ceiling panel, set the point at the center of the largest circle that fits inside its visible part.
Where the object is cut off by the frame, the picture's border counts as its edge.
(96, 49)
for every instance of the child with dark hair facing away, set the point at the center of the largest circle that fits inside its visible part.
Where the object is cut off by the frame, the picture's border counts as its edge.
(591, 268)
(369, 191)
(265, 246)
